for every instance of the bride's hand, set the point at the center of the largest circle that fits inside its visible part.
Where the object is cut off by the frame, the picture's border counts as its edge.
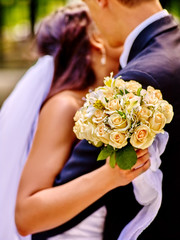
(120, 177)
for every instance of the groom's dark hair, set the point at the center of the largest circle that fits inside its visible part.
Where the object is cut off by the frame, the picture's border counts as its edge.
(132, 3)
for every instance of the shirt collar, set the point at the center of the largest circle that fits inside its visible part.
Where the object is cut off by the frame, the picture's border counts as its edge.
(133, 35)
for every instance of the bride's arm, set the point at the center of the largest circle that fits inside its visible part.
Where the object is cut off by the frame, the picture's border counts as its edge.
(40, 206)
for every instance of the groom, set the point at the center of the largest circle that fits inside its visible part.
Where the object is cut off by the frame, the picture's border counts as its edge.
(151, 56)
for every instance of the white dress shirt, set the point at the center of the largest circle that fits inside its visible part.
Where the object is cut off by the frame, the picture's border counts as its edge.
(133, 35)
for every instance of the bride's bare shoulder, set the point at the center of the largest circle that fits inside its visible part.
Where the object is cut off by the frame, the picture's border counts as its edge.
(68, 98)
(64, 104)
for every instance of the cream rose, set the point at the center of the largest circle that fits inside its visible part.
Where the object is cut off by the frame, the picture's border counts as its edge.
(102, 132)
(119, 83)
(130, 95)
(81, 114)
(133, 86)
(108, 93)
(113, 105)
(157, 122)
(116, 121)
(99, 116)
(150, 98)
(77, 116)
(87, 131)
(156, 92)
(167, 110)
(143, 93)
(144, 114)
(118, 139)
(142, 137)
(80, 130)
(150, 89)
(90, 134)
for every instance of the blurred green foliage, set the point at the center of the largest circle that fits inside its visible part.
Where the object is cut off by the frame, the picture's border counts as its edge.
(19, 20)
(18, 23)
(25, 12)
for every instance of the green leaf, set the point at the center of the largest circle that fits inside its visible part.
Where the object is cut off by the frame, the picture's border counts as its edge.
(126, 157)
(113, 160)
(105, 152)
(123, 115)
(106, 100)
(121, 93)
(126, 91)
(139, 91)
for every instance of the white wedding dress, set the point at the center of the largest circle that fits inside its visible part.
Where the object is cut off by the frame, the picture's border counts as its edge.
(90, 228)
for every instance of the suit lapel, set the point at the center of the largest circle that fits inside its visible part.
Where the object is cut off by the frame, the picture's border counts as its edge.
(156, 28)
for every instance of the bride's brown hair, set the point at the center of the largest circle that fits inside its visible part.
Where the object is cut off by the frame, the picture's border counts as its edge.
(65, 36)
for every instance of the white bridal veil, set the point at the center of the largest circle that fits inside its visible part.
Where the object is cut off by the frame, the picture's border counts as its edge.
(18, 118)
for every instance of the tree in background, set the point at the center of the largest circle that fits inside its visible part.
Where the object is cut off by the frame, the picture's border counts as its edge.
(165, 3)
(1, 30)
(33, 7)
(1, 18)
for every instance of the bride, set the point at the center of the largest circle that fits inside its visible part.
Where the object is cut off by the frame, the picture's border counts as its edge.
(37, 137)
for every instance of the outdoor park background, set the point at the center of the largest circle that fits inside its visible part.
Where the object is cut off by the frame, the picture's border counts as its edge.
(19, 20)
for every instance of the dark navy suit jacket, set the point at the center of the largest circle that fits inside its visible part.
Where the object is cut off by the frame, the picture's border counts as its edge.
(154, 60)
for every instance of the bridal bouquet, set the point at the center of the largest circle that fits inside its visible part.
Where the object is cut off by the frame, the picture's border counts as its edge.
(121, 117)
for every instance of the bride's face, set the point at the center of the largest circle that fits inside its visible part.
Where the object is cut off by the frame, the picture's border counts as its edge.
(112, 57)
(100, 50)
